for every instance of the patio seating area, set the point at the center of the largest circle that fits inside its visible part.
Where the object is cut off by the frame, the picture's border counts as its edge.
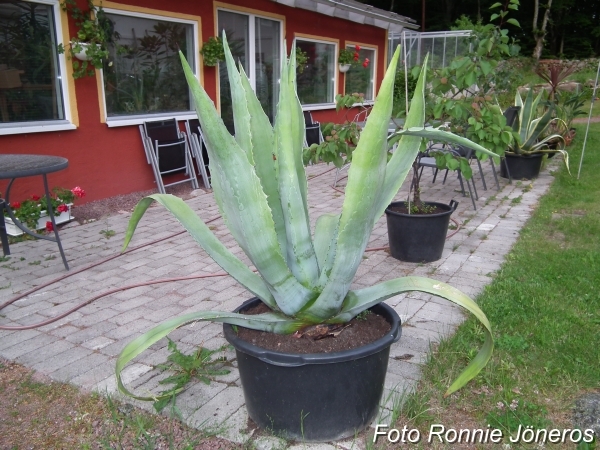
(82, 347)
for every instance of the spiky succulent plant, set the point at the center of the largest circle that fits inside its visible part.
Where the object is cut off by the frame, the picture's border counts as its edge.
(261, 188)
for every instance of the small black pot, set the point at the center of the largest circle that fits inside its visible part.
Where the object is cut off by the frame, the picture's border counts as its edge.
(314, 397)
(418, 237)
(521, 167)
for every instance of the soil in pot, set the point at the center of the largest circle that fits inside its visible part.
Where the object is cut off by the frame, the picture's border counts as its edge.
(418, 237)
(314, 397)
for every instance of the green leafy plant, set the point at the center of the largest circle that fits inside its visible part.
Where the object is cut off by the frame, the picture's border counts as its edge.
(352, 57)
(94, 31)
(301, 59)
(261, 188)
(212, 51)
(200, 365)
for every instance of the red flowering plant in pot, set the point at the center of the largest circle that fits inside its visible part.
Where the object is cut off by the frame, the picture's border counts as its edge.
(350, 58)
(31, 210)
(302, 276)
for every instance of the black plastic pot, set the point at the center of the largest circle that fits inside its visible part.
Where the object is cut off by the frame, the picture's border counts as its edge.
(521, 167)
(314, 397)
(418, 237)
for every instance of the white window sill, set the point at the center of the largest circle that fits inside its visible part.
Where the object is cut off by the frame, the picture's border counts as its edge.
(318, 106)
(36, 127)
(125, 121)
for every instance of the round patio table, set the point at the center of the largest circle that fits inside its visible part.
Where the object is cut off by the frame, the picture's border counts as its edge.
(20, 166)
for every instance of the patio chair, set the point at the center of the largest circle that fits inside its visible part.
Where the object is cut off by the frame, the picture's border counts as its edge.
(167, 151)
(313, 134)
(426, 160)
(198, 146)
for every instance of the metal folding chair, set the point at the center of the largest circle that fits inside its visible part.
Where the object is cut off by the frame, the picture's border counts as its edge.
(198, 146)
(167, 151)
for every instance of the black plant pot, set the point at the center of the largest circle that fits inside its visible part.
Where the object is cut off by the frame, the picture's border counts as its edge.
(521, 167)
(314, 397)
(418, 237)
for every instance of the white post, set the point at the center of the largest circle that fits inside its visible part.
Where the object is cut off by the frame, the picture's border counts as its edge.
(588, 122)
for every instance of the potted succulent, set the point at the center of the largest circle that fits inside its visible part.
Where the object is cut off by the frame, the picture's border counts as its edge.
(532, 141)
(88, 49)
(302, 282)
(212, 51)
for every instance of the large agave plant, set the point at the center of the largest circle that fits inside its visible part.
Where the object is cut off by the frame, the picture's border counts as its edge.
(261, 189)
(532, 128)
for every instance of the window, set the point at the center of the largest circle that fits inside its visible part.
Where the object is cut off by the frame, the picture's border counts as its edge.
(362, 79)
(143, 75)
(256, 43)
(316, 83)
(31, 86)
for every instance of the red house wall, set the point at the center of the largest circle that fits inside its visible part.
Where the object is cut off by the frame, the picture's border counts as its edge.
(110, 161)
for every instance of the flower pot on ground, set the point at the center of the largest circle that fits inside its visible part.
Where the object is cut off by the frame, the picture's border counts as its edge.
(418, 237)
(521, 167)
(60, 218)
(260, 185)
(292, 406)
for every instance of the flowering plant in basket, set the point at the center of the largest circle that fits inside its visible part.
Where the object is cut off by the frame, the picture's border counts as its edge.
(348, 56)
(29, 211)
(303, 276)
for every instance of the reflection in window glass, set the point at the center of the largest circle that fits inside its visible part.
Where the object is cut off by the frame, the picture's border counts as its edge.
(144, 73)
(30, 87)
(359, 79)
(316, 83)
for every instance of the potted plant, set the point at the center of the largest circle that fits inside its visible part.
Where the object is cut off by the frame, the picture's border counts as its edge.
(212, 51)
(301, 60)
(348, 58)
(32, 211)
(532, 141)
(302, 282)
(88, 49)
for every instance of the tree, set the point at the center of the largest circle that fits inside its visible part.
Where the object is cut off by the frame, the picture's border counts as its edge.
(539, 34)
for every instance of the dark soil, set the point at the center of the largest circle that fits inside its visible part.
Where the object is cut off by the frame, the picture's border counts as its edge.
(428, 209)
(360, 331)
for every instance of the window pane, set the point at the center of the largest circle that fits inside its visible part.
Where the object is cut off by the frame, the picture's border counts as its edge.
(30, 87)
(316, 82)
(144, 73)
(236, 28)
(268, 64)
(359, 79)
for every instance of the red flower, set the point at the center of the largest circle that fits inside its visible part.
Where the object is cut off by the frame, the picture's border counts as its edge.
(15, 205)
(78, 191)
(366, 63)
(357, 48)
(35, 198)
(62, 208)
(49, 226)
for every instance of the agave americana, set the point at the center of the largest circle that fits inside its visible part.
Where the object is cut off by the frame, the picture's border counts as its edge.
(261, 188)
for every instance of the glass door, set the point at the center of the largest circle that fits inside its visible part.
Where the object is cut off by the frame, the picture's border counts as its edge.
(255, 42)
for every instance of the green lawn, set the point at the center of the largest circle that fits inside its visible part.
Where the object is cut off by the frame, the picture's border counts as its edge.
(544, 306)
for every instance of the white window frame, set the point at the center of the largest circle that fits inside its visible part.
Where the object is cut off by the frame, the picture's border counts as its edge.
(138, 119)
(251, 44)
(49, 125)
(326, 105)
(373, 64)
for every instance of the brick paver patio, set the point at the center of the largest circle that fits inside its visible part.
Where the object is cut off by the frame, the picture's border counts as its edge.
(82, 347)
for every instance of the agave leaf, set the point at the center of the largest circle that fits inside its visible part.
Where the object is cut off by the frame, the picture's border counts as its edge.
(301, 256)
(241, 115)
(326, 230)
(365, 179)
(408, 147)
(361, 299)
(271, 322)
(207, 240)
(264, 161)
(244, 204)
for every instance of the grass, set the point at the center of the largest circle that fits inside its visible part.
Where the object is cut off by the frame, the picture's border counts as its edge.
(545, 311)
